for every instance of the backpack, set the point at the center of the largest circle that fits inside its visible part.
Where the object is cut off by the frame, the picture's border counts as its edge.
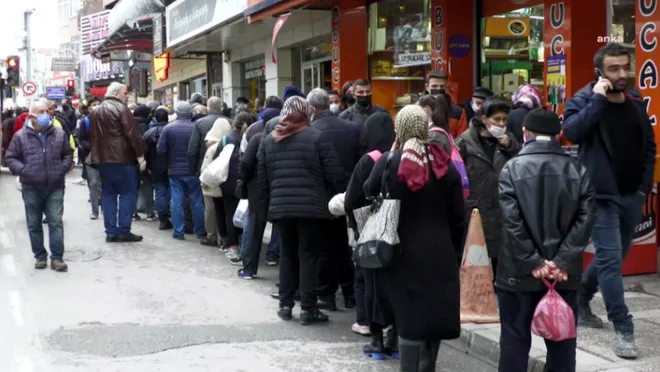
(457, 160)
(375, 155)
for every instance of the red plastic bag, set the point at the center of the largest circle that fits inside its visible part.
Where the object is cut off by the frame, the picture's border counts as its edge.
(553, 319)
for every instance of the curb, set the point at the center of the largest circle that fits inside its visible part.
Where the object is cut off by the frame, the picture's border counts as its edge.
(485, 348)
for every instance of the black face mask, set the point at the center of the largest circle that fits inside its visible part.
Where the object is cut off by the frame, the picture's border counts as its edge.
(436, 92)
(350, 100)
(364, 101)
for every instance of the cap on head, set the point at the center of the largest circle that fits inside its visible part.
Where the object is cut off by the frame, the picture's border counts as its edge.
(183, 109)
(482, 92)
(542, 122)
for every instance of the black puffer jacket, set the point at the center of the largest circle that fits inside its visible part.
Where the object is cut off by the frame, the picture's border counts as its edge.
(298, 175)
(547, 206)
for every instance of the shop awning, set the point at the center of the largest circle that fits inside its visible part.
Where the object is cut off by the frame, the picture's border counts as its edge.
(258, 10)
(130, 26)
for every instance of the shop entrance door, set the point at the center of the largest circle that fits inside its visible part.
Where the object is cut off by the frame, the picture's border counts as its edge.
(316, 74)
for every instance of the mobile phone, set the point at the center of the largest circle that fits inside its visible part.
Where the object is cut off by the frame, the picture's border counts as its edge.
(599, 74)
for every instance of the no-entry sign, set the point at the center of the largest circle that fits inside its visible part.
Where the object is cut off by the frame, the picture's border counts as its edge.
(29, 88)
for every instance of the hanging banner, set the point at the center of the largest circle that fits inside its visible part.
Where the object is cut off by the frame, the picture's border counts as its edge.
(557, 41)
(439, 55)
(276, 30)
(334, 45)
(94, 30)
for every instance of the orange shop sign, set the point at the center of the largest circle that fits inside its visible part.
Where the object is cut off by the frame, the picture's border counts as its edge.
(507, 27)
(161, 65)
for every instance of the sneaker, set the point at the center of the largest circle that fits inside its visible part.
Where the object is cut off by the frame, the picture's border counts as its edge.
(272, 262)
(360, 329)
(244, 274)
(209, 242)
(179, 237)
(94, 217)
(58, 265)
(236, 261)
(586, 317)
(285, 313)
(232, 252)
(136, 217)
(41, 263)
(308, 317)
(624, 345)
(151, 217)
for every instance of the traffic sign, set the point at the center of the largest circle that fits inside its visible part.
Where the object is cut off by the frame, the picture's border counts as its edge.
(29, 88)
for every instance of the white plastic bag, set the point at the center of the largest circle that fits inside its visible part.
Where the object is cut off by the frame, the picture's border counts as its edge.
(216, 174)
(19, 185)
(336, 205)
(240, 216)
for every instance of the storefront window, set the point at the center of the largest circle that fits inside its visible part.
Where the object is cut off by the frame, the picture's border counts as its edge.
(316, 67)
(621, 29)
(399, 50)
(198, 86)
(253, 81)
(512, 51)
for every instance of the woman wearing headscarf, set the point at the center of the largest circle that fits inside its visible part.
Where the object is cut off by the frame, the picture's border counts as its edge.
(373, 311)
(298, 172)
(526, 99)
(214, 219)
(485, 148)
(229, 198)
(422, 282)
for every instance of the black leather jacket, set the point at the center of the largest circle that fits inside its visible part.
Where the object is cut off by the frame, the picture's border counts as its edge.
(547, 206)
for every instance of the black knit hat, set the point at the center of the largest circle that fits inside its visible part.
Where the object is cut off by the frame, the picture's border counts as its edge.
(483, 93)
(542, 121)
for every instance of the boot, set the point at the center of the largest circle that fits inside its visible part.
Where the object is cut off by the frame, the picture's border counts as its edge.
(429, 356)
(165, 223)
(392, 343)
(375, 348)
(410, 355)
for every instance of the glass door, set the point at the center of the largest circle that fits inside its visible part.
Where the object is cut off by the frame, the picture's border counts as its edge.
(310, 77)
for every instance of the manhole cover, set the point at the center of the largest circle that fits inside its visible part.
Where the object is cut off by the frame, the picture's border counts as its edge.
(79, 255)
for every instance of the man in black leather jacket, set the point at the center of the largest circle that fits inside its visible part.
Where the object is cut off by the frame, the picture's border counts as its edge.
(547, 210)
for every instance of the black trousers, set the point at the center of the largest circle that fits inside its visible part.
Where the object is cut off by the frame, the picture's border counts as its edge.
(187, 214)
(378, 310)
(336, 269)
(304, 242)
(220, 218)
(255, 237)
(516, 313)
(228, 204)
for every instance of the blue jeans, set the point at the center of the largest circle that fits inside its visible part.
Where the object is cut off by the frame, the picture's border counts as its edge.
(51, 204)
(189, 186)
(162, 191)
(118, 181)
(612, 235)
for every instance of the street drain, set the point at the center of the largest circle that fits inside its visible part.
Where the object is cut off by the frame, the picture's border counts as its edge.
(80, 255)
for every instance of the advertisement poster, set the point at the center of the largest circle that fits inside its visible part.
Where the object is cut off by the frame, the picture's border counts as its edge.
(413, 30)
(556, 80)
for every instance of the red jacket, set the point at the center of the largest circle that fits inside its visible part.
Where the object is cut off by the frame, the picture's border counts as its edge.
(20, 121)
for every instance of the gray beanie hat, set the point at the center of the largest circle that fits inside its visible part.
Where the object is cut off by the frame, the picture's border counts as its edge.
(184, 109)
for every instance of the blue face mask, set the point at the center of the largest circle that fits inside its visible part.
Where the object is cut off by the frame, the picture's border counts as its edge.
(44, 120)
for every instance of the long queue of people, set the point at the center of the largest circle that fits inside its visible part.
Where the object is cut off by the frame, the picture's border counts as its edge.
(311, 164)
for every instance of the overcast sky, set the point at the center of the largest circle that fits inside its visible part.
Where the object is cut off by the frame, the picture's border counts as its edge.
(45, 31)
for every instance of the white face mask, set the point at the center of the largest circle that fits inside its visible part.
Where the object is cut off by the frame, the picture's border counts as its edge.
(475, 107)
(496, 131)
(334, 107)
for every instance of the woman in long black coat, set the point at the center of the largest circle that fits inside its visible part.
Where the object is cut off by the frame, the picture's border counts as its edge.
(422, 284)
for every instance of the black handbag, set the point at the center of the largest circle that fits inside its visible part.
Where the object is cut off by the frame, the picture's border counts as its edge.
(378, 243)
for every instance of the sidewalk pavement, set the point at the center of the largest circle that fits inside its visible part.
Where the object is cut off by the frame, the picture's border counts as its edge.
(594, 345)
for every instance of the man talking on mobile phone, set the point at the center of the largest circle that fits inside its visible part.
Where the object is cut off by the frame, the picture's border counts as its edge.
(617, 146)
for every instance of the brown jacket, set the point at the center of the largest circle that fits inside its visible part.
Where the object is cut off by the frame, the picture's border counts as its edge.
(114, 134)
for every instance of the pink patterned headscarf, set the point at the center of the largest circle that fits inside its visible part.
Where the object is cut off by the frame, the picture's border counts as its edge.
(528, 96)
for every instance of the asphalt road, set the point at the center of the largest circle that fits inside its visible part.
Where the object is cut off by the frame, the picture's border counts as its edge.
(160, 305)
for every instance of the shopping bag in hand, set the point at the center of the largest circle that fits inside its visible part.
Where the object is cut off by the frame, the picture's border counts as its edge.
(553, 319)
(240, 216)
